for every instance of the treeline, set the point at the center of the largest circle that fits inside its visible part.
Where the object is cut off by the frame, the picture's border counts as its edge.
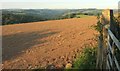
(10, 18)
(75, 15)
(17, 16)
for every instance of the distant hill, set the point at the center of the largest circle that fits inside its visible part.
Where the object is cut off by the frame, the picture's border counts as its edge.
(12, 16)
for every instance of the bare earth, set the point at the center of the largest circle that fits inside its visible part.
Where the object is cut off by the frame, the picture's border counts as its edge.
(38, 44)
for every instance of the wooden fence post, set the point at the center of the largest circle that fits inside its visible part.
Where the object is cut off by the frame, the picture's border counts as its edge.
(106, 22)
(100, 53)
(102, 48)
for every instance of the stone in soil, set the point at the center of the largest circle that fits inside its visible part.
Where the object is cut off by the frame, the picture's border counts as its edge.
(69, 65)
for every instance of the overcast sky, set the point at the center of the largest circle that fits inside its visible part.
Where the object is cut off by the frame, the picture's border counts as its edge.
(59, 4)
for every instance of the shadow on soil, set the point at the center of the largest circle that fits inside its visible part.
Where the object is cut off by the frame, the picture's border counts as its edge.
(14, 44)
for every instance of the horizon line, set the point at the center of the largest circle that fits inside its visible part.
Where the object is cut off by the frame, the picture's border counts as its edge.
(58, 8)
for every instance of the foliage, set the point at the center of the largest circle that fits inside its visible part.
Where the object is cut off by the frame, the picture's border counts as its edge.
(74, 15)
(99, 25)
(10, 18)
(86, 60)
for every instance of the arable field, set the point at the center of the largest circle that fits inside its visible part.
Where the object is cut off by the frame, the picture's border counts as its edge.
(38, 44)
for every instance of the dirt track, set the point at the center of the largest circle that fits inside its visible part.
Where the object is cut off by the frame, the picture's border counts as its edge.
(39, 44)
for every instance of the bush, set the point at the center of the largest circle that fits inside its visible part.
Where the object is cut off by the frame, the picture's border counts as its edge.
(86, 60)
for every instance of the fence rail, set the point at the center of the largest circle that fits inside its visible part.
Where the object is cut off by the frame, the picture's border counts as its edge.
(115, 40)
(112, 58)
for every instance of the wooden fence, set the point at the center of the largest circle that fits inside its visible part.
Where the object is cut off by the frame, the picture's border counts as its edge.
(109, 43)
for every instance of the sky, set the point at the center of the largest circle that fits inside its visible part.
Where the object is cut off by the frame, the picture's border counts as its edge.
(59, 4)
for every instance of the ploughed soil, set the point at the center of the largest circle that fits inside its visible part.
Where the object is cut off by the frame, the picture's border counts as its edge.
(39, 44)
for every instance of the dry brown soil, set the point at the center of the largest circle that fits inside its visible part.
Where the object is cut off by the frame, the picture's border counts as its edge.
(38, 44)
